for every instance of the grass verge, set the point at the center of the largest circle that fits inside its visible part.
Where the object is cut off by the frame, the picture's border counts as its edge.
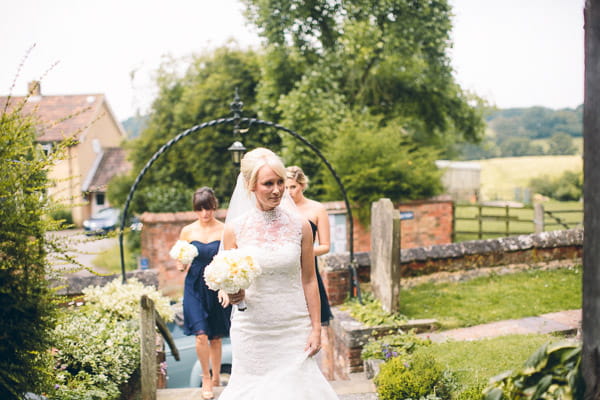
(475, 362)
(110, 260)
(495, 297)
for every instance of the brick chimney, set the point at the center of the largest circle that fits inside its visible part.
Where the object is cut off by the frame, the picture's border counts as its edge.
(34, 88)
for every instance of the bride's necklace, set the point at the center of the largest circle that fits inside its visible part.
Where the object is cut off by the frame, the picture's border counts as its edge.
(270, 215)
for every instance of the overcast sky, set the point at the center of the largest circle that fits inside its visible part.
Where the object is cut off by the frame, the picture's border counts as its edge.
(514, 53)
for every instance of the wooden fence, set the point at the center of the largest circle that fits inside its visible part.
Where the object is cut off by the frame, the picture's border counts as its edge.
(478, 221)
(151, 348)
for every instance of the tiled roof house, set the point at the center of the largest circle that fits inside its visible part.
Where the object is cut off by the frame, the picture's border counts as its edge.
(81, 179)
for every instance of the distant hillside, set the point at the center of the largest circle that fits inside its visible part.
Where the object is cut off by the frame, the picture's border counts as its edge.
(533, 131)
(536, 122)
(134, 125)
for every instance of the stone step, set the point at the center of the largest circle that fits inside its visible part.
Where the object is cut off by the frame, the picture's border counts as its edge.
(357, 387)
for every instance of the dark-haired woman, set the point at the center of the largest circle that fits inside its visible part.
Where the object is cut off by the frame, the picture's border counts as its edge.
(203, 309)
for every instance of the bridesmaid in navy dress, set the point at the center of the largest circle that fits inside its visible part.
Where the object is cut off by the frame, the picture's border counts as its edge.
(204, 314)
(316, 214)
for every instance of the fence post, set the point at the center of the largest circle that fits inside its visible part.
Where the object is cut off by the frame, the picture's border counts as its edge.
(538, 217)
(453, 239)
(385, 254)
(148, 348)
(507, 215)
(480, 233)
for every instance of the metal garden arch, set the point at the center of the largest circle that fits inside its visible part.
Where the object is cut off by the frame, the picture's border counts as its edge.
(236, 108)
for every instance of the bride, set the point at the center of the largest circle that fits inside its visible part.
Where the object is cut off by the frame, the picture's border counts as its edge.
(275, 338)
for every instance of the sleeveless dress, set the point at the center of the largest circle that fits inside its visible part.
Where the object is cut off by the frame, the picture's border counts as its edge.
(326, 314)
(202, 312)
(268, 338)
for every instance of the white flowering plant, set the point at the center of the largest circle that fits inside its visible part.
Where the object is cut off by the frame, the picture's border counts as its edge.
(97, 345)
(231, 271)
(183, 252)
(123, 300)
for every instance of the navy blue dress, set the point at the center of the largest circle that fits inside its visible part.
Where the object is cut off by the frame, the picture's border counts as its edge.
(326, 314)
(202, 312)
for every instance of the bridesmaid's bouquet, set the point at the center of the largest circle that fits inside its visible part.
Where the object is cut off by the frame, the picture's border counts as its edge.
(231, 271)
(183, 251)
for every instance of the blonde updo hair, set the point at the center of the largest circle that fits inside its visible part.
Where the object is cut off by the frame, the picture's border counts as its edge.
(294, 172)
(257, 158)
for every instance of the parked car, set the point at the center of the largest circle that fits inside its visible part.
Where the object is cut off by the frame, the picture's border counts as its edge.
(103, 221)
(187, 372)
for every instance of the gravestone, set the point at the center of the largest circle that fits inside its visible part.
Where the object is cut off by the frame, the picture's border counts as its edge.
(385, 253)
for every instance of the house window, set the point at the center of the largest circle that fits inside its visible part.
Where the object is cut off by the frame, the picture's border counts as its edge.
(47, 148)
(100, 199)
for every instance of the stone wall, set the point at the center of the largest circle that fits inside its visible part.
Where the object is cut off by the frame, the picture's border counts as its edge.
(454, 257)
(457, 259)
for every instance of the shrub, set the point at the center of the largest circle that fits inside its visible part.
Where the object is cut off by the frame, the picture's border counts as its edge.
(552, 372)
(566, 187)
(417, 378)
(97, 344)
(370, 312)
(95, 355)
(62, 215)
(393, 346)
(122, 302)
(26, 303)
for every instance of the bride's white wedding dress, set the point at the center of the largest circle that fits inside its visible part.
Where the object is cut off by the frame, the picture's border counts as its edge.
(268, 338)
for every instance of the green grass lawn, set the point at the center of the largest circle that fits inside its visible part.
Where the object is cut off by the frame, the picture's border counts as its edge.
(110, 260)
(475, 362)
(494, 298)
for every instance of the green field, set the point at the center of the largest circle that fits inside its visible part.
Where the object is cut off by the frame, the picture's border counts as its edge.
(500, 176)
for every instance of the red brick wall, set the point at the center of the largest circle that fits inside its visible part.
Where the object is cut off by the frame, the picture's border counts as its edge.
(431, 224)
(160, 231)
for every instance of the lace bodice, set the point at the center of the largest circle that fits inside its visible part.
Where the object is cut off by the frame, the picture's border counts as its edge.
(268, 229)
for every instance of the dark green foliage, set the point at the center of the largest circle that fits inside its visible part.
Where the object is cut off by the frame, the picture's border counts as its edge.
(202, 94)
(561, 144)
(414, 378)
(567, 187)
(519, 147)
(536, 122)
(26, 308)
(330, 65)
(398, 345)
(552, 372)
(381, 162)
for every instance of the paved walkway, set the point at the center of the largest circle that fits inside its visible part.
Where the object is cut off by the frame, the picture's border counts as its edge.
(357, 388)
(360, 388)
(567, 322)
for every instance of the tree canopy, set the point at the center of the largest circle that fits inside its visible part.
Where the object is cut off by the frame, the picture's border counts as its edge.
(201, 94)
(338, 73)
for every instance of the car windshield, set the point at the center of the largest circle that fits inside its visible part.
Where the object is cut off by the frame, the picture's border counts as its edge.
(106, 213)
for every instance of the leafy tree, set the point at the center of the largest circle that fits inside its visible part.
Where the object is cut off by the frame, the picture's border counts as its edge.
(334, 61)
(561, 144)
(566, 187)
(383, 162)
(518, 147)
(26, 307)
(535, 122)
(203, 93)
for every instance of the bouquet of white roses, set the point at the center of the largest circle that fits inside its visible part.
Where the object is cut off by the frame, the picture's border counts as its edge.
(183, 251)
(231, 271)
